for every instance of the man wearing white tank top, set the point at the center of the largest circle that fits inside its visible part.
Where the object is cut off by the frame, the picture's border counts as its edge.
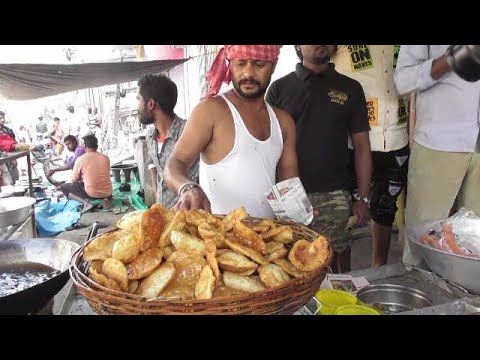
(243, 143)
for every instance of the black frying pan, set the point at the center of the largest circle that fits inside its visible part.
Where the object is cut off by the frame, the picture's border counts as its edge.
(54, 253)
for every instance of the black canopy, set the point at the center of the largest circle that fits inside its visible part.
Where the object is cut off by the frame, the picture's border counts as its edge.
(33, 81)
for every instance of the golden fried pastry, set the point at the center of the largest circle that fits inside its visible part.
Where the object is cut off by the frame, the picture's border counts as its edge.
(250, 253)
(196, 217)
(102, 280)
(166, 213)
(157, 281)
(211, 258)
(144, 264)
(249, 238)
(273, 246)
(130, 219)
(229, 236)
(167, 251)
(189, 264)
(133, 286)
(286, 265)
(272, 275)
(136, 230)
(153, 223)
(126, 249)
(233, 217)
(262, 226)
(101, 247)
(279, 254)
(115, 270)
(308, 256)
(249, 284)
(97, 265)
(222, 290)
(177, 223)
(205, 284)
(222, 251)
(236, 263)
(193, 230)
(281, 234)
(185, 241)
(213, 230)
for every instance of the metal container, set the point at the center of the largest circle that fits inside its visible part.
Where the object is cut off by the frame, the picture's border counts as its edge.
(461, 270)
(465, 61)
(14, 210)
(54, 253)
(393, 298)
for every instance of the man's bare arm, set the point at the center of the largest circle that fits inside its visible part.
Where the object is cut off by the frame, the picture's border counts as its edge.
(440, 67)
(196, 135)
(288, 163)
(363, 162)
(61, 168)
(153, 177)
(64, 167)
(363, 169)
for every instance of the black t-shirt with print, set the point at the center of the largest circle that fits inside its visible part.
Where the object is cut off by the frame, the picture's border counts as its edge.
(326, 109)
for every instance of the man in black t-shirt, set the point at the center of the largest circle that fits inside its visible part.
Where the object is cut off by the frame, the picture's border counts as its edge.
(327, 107)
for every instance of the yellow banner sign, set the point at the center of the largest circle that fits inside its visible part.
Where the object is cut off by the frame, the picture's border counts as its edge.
(372, 108)
(360, 57)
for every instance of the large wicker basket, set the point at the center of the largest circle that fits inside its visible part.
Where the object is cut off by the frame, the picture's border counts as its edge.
(285, 299)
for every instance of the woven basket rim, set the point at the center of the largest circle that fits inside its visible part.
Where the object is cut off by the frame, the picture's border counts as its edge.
(81, 280)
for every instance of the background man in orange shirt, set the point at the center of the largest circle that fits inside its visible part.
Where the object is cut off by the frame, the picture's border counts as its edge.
(91, 177)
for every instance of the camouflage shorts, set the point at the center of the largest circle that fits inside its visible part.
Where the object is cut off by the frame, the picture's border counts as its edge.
(335, 210)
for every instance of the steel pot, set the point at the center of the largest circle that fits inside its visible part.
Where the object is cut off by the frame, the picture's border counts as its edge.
(392, 298)
(14, 210)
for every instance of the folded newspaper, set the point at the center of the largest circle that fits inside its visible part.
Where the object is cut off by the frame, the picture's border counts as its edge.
(289, 201)
(344, 282)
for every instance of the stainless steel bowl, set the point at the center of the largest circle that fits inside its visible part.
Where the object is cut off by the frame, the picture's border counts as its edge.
(393, 298)
(461, 270)
(14, 210)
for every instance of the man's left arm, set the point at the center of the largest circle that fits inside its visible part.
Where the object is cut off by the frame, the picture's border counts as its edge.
(77, 171)
(363, 170)
(288, 164)
(359, 131)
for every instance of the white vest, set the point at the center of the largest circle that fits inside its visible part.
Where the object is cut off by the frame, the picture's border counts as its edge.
(244, 176)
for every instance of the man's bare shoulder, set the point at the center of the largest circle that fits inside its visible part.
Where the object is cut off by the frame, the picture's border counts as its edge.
(210, 105)
(210, 111)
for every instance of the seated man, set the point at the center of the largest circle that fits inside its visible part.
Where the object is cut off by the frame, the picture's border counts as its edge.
(91, 177)
(78, 150)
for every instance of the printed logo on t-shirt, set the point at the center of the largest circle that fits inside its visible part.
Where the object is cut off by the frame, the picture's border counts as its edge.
(337, 96)
(396, 50)
(394, 189)
(402, 111)
(360, 57)
(372, 109)
(401, 160)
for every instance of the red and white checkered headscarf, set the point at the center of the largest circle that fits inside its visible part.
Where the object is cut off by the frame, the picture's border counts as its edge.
(220, 71)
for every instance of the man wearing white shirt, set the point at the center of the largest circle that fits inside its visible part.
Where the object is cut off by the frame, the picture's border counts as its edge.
(445, 159)
(373, 67)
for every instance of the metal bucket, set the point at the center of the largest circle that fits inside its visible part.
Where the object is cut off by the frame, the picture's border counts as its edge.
(14, 210)
(461, 270)
(391, 298)
(127, 170)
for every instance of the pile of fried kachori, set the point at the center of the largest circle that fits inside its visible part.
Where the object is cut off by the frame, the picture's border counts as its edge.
(159, 253)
